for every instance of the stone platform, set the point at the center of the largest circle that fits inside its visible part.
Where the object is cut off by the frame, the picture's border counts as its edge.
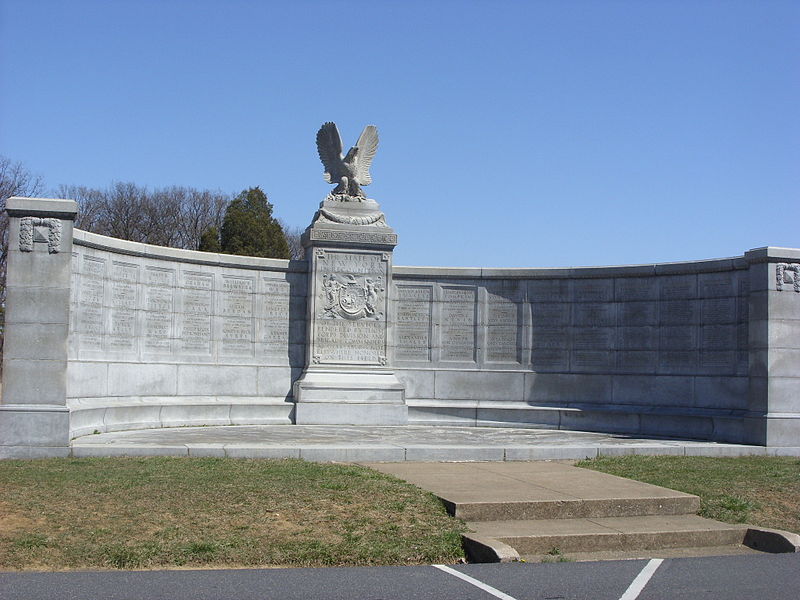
(394, 443)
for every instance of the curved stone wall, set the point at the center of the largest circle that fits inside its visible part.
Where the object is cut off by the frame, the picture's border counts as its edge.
(104, 334)
(647, 349)
(161, 337)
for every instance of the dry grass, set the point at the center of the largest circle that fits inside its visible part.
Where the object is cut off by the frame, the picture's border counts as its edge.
(758, 490)
(175, 512)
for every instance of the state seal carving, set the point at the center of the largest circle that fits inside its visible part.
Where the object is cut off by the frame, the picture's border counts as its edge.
(352, 297)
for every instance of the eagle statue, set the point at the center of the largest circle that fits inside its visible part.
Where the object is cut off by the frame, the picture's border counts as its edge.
(352, 170)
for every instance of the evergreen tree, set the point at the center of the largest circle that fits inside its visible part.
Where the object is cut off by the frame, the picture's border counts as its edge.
(209, 241)
(250, 229)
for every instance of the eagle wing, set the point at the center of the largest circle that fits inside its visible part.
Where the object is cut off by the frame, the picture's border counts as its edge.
(367, 147)
(329, 146)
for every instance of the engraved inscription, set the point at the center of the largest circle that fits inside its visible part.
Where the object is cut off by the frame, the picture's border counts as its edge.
(159, 305)
(502, 333)
(197, 298)
(350, 341)
(590, 290)
(123, 305)
(275, 330)
(458, 324)
(413, 323)
(350, 313)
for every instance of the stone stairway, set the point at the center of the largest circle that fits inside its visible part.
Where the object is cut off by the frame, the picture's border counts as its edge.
(555, 511)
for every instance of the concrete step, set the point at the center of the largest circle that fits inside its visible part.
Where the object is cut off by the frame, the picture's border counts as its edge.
(538, 490)
(537, 537)
(730, 550)
(678, 504)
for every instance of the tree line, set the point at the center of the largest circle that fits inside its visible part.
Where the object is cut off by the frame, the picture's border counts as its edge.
(176, 216)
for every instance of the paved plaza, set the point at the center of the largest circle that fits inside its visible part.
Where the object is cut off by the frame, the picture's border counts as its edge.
(394, 443)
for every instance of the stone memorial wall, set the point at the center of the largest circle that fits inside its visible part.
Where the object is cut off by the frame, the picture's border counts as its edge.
(157, 328)
(104, 334)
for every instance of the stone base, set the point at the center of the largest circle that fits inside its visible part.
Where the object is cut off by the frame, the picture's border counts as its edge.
(326, 397)
(341, 413)
(34, 430)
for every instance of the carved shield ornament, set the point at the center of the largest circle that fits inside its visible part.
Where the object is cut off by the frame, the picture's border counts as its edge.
(351, 297)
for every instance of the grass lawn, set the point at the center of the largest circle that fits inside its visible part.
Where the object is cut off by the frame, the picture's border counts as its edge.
(132, 513)
(758, 490)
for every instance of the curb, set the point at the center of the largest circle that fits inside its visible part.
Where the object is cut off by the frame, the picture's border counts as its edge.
(487, 550)
(771, 540)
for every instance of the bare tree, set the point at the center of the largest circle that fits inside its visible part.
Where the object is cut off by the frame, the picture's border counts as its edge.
(15, 180)
(293, 234)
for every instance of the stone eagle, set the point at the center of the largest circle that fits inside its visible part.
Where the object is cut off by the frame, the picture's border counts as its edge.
(352, 170)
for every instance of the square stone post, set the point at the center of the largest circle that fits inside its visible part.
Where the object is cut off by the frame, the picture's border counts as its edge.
(774, 347)
(34, 418)
(348, 377)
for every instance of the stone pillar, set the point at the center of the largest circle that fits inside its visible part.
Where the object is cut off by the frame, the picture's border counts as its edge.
(34, 418)
(774, 346)
(348, 377)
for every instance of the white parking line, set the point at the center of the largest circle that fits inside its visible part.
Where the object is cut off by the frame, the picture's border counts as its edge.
(478, 584)
(637, 585)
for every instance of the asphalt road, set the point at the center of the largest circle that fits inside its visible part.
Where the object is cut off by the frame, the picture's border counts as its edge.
(775, 577)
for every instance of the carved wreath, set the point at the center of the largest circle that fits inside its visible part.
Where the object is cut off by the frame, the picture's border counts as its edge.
(783, 275)
(26, 233)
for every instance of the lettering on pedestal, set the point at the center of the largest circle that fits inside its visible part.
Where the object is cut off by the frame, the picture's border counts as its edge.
(413, 322)
(787, 276)
(197, 303)
(124, 288)
(350, 313)
(458, 324)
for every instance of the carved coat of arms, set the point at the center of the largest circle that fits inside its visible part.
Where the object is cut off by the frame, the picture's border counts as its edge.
(352, 297)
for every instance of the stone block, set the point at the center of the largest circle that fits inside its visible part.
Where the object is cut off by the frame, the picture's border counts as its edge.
(637, 361)
(473, 385)
(418, 384)
(728, 393)
(352, 454)
(86, 421)
(37, 305)
(87, 379)
(785, 334)
(628, 289)
(34, 381)
(637, 314)
(591, 290)
(637, 338)
(782, 430)
(699, 427)
(32, 452)
(34, 269)
(530, 418)
(598, 420)
(326, 413)
(216, 380)
(550, 452)
(784, 362)
(96, 450)
(250, 451)
(129, 379)
(36, 341)
(34, 425)
(672, 287)
(189, 413)
(453, 453)
(562, 388)
(594, 314)
(276, 381)
(122, 417)
(459, 416)
(729, 429)
(653, 390)
(262, 414)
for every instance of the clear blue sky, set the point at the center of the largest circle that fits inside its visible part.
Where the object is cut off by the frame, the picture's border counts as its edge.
(517, 134)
